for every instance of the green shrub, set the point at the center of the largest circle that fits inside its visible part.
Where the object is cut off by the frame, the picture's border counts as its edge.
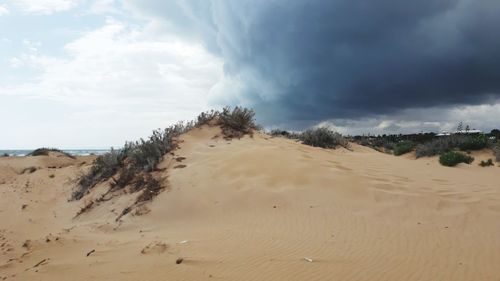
(44, 151)
(323, 137)
(453, 158)
(403, 147)
(487, 163)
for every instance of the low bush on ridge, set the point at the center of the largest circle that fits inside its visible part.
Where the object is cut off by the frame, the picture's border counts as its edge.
(44, 151)
(382, 144)
(237, 122)
(284, 134)
(323, 137)
(403, 148)
(132, 165)
(318, 137)
(487, 163)
(452, 158)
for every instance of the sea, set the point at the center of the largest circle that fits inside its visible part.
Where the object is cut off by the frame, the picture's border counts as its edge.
(76, 152)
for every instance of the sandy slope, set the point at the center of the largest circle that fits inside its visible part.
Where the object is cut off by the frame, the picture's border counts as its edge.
(253, 209)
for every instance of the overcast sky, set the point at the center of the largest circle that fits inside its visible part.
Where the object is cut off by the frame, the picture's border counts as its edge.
(95, 73)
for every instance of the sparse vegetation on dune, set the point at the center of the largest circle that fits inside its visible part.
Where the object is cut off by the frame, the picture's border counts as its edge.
(435, 147)
(452, 158)
(430, 144)
(387, 143)
(323, 137)
(130, 162)
(132, 167)
(104, 167)
(44, 151)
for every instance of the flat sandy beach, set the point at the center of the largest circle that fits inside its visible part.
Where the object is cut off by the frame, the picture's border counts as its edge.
(258, 208)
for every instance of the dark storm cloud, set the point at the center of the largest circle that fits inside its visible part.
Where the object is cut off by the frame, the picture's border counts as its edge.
(315, 60)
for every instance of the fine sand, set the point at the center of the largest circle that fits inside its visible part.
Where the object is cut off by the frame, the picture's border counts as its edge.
(258, 208)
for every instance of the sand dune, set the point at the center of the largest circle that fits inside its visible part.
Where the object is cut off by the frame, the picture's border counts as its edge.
(258, 208)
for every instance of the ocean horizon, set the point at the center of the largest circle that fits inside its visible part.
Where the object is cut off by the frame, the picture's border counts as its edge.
(76, 152)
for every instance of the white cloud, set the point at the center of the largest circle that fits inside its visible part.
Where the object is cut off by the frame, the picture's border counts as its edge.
(45, 7)
(118, 80)
(29, 56)
(104, 6)
(3, 10)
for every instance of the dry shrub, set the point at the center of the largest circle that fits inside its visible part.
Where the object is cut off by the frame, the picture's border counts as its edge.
(206, 117)
(448, 143)
(150, 188)
(323, 137)
(44, 151)
(104, 167)
(284, 134)
(487, 163)
(237, 122)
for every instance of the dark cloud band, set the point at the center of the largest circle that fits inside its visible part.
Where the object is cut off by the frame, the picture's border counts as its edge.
(315, 60)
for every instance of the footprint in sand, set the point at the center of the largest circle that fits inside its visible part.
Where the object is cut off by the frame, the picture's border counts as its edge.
(180, 159)
(155, 248)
